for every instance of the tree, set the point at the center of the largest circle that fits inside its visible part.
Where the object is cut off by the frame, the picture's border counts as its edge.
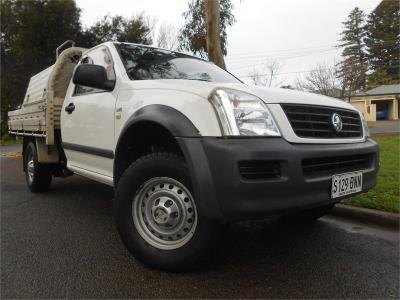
(353, 68)
(166, 37)
(213, 40)
(383, 39)
(30, 33)
(266, 76)
(380, 77)
(193, 34)
(353, 75)
(288, 87)
(353, 35)
(322, 80)
(137, 29)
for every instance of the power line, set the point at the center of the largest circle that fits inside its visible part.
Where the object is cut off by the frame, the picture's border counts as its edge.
(282, 50)
(283, 73)
(280, 54)
(238, 67)
(275, 74)
(301, 48)
(275, 57)
(255, 55)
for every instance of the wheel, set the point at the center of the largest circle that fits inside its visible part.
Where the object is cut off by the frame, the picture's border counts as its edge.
(308, 215)
(38, 176)
(157, 217)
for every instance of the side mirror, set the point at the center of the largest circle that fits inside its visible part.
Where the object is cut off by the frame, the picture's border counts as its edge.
(94, 76)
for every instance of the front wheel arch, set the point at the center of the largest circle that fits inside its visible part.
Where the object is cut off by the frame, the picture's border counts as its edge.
(151, 128)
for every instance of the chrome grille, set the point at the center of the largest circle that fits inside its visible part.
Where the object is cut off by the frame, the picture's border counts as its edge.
(310, 121)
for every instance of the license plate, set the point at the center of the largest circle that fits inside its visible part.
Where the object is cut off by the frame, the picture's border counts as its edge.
(346, 184)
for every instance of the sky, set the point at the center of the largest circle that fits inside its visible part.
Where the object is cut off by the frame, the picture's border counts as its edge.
(297, 34)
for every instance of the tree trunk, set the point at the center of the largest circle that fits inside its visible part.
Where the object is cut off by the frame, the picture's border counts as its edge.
(213, 39)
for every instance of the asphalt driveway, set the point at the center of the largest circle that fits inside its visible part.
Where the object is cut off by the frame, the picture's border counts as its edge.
(63, 244)
(384, 127)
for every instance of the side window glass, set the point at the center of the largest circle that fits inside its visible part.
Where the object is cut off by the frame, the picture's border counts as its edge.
(99, 56)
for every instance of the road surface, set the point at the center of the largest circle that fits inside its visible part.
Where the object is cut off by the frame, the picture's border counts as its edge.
(63, 244)
(384, 127)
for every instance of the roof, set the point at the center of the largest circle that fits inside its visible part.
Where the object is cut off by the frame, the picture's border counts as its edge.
(390, 89)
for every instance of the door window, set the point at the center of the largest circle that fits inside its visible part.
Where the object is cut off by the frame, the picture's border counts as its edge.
(99, 56)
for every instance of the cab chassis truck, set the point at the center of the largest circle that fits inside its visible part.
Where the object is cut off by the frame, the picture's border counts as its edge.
(187, 146)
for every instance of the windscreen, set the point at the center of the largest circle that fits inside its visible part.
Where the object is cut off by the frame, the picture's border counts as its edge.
(145, 63)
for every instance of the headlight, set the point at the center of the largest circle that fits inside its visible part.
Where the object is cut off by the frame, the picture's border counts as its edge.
(241, 113)
(365, 126)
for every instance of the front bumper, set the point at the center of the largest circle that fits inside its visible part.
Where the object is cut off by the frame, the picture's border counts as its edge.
(222, 193)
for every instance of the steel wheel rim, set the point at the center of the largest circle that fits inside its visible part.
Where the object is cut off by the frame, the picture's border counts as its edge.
(30, 167)
(164, 213)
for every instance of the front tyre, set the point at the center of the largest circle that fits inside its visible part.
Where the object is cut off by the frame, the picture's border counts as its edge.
(157, 217)
(38, 176)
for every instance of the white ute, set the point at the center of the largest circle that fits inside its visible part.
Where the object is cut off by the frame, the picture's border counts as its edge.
(187, 146)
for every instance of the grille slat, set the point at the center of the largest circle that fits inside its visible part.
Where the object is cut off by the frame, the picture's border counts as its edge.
(313, 167)
(259, 169)
(351, 118)
(311, 130)
(311, 121)
(349, 124)
(308, 114)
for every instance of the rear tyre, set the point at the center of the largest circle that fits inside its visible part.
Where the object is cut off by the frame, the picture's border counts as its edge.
(157, 218)
(38, 176)
(308, 215)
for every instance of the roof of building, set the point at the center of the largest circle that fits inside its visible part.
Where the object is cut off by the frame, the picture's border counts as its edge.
(390, 89)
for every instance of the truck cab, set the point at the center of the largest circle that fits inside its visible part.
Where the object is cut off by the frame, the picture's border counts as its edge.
(189, 148)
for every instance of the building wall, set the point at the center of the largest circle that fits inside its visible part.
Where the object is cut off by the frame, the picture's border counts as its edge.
(369, 110)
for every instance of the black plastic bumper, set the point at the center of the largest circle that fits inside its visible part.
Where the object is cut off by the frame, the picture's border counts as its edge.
(222, 193)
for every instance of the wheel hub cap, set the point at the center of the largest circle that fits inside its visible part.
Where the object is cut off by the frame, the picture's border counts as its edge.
(164, 213)
(160, 216)
(30, 168)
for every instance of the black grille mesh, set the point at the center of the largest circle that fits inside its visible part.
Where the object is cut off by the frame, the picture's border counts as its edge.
(259, 169)
(313, 167)
(311, 121)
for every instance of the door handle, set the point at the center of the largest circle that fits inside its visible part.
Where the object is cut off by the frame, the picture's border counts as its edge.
(70, 108)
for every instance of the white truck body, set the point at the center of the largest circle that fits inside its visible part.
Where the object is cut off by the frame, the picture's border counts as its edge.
(31, 116)
(40, 112)
(241, 144)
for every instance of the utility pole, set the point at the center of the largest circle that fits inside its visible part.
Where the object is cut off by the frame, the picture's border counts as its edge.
(213, 39)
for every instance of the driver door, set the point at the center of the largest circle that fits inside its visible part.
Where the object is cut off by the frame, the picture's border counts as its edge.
(87, 122)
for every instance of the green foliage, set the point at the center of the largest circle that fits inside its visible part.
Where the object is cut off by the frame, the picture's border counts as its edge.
(32, 30)
(386, 194)
(134, 30)
(30, 33)
(193, 34)
(380, 77)
(353, 35)
(383, 38)
(353, 68)
(5, 137)
(7, 140)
